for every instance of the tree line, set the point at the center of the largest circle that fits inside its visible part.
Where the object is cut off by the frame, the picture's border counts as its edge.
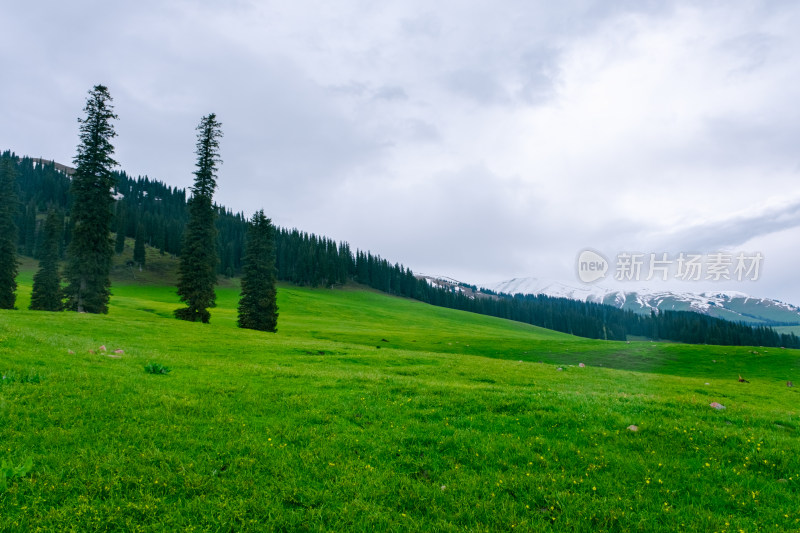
(600, 321)
(160, 216)
(91, 196)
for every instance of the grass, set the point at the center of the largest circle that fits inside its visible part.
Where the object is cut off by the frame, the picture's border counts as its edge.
(367, 412)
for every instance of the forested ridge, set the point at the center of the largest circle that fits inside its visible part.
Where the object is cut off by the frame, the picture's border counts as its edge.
(159, 214)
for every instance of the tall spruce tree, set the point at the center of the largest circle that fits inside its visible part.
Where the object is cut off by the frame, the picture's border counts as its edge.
(9, 205)
(197, 271)
(258, 307)
(91, 248)
(47, 294)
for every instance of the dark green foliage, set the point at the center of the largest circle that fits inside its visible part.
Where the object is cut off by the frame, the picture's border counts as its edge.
(47, 294)
(29, 235)
(308, 259)
(119, 243)
(258, 307)
(39, 240)
(197, 273)
(139, 256)
(231, 235)
(62, 250)
(10, 377)
(91, 248)
(9, 472)
(156, 368)
(160, 208)
(9, 205)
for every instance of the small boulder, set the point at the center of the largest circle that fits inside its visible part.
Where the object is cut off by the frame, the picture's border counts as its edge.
(716, 405)
(633, 428)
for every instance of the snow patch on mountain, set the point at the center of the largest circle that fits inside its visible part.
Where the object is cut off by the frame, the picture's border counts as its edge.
(733, 305)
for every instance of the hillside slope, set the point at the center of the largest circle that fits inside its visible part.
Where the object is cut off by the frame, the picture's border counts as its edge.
(316, 428)
(371, 319)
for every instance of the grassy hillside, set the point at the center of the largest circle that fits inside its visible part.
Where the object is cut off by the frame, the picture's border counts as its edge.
(367, 412)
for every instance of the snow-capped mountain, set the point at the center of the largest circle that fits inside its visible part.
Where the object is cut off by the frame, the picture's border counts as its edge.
(730, 305)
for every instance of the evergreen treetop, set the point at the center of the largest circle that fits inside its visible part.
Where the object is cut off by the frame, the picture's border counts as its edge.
(96, 131)
(207, 148)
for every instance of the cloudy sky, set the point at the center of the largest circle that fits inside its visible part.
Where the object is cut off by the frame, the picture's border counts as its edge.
(478, 140)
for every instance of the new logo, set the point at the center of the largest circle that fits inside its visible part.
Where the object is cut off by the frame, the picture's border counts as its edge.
(591, 266)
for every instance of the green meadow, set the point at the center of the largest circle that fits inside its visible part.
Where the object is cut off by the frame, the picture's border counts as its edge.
(367, 412)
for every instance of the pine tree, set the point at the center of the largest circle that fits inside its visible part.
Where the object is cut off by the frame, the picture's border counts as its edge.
(139, 256)
(47, 294)
(258, 307)
(197, 271)
(91, 248)
(8, 234)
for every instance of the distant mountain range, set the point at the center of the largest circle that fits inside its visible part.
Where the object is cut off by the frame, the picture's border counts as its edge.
(729, 305)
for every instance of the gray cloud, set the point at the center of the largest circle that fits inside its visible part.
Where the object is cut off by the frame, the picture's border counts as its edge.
(464, 218)
(388, 92)
(539, 72)
(423, 25)
(420, 130)
(732, 231)
(476, 84)
(752, 50)
(352, 88)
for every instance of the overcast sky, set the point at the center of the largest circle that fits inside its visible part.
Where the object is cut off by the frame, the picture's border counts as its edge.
(477, 140)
